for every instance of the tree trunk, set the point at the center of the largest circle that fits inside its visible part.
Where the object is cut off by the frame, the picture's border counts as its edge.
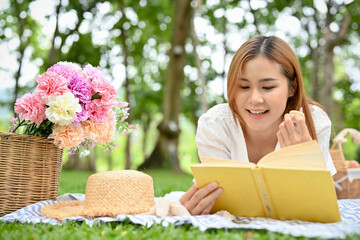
(331, 40)
(165, 153)
(91, 160)
(202, 79)
(73, 163)
(53, 54)
(223, 74)
(21, 55)
(109, 159)
(127, 84)
(315, 93)
(329, 82)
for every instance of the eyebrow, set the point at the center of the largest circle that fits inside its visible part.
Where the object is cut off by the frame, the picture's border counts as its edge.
(261, 80)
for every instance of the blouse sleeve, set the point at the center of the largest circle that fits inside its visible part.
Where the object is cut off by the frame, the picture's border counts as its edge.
(323, 131)
(212, 139)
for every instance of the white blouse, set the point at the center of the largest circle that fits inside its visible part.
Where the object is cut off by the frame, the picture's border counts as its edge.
(218, 135)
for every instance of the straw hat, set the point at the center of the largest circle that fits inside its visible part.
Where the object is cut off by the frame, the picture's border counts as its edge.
(109, 194)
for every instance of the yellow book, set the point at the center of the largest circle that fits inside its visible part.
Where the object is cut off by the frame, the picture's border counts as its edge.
(291, 183)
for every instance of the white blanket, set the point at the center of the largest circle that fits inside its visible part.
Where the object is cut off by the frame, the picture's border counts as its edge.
(349, 210)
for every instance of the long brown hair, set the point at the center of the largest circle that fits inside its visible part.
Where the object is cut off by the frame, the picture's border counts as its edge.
(276, 50)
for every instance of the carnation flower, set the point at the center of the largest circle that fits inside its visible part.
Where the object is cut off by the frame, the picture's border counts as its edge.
(67, 136)
(29, 108)
(92, 73)
(79, 86)
(62, 109)
(50, 84)
(105, 90)
(83, 115)
(101, 132)
(73, 66)
(97, 113)
(63, 70)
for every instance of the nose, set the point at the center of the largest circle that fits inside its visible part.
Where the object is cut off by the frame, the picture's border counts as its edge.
(256, 97)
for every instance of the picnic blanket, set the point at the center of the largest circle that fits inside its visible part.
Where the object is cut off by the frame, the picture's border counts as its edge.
(349, 210)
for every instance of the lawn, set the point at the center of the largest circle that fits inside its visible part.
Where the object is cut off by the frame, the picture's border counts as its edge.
(164, 182)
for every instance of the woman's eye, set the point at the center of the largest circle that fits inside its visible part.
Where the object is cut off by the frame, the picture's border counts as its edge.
(268, 88)
(244, 87)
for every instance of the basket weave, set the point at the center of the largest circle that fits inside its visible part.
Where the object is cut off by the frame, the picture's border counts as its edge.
(29, 170)
(349, 189)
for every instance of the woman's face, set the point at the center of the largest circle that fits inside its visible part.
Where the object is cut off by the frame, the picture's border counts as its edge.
(262, 94)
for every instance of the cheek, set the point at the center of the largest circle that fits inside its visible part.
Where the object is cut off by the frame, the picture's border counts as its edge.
(279, 100)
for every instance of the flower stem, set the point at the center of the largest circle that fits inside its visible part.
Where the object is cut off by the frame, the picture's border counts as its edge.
(19, 125)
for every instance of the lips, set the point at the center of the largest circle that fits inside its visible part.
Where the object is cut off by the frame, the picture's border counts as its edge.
(257, 112)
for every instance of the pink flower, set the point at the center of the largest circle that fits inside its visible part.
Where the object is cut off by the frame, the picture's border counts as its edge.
(73, 66)
(106, 91)
(92, 73)
(67, 136)
(14, 119)
(49, 84)
(97, 113)
(122, 104)
(29, 108)
(63, 70)
(81, 116)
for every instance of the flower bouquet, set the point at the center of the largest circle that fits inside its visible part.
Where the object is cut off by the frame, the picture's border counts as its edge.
(77, 107)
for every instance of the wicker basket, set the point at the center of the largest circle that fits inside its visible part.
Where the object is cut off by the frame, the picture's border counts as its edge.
(344, 188)
(29, 170)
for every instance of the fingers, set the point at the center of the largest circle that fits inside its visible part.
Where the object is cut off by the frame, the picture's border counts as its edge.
(293, 130)
(200, 200)
(206, 204)
(211, 204)
(289, 124)
(184, 198)
(280, 139)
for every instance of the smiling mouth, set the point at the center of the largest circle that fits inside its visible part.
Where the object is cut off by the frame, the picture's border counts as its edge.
(257, 113)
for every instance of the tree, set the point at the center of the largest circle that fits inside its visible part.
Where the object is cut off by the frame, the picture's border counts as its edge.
(20, 27)
(165, 152)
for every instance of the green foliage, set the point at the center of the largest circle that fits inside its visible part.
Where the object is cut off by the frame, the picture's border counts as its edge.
(96, 37)
(125, 230)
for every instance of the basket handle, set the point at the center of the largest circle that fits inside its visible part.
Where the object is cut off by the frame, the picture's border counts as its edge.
(340, 138)
(336, 145)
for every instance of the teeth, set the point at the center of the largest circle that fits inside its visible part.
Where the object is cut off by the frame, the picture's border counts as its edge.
(257, 112)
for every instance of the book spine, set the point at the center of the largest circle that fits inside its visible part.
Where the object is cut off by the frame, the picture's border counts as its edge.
(263, 192)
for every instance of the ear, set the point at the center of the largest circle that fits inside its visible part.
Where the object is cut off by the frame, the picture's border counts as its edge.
(291, 92)
(292, 88)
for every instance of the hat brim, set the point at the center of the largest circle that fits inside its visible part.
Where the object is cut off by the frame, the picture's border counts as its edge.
(63, 210)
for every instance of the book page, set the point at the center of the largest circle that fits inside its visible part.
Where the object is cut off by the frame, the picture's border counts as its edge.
(304, 155)
(224, 161)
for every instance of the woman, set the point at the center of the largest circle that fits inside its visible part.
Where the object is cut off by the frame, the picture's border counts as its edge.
(264, 85)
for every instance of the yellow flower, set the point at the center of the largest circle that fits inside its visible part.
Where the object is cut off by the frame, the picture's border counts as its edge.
(62, 109)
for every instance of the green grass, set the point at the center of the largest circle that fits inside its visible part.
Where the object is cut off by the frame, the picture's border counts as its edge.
(164, 182)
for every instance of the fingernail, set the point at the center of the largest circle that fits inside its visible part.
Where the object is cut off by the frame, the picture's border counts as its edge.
(219, 190)
(214, 185)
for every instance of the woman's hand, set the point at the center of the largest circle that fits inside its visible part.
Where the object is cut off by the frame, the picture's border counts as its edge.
(200, 201)
(289, 134)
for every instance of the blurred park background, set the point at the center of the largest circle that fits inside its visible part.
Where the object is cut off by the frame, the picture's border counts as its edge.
(169, 60)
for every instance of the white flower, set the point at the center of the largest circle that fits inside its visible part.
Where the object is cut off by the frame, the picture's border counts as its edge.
(62, 109)
(84, 153)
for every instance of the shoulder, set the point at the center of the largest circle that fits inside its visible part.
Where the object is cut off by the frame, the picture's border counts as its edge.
(320, 117)
(219, 114)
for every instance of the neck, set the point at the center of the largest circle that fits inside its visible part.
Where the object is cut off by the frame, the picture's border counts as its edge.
(265, 138)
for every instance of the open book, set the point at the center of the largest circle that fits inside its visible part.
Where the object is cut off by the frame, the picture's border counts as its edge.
(291, 183)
